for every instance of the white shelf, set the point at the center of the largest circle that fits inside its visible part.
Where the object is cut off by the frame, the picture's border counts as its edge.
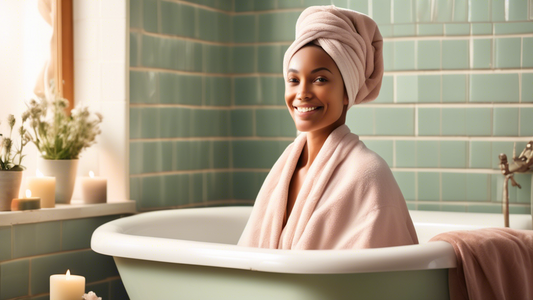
(76, 210)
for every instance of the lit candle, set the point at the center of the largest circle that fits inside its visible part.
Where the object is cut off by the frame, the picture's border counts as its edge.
(67, 287)
(94, 189)
(26, 203)
(44, 187)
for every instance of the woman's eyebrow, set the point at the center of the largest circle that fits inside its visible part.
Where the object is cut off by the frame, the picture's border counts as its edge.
(314, 71)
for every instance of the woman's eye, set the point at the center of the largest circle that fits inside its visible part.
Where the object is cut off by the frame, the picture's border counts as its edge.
(292, 80)
(321, 79)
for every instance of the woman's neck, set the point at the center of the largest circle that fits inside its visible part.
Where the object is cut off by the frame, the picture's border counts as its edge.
(315, 141)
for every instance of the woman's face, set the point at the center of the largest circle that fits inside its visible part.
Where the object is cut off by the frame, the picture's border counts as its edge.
(314, 91)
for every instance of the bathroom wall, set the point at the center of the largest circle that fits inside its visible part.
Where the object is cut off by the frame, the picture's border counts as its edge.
(207, 115)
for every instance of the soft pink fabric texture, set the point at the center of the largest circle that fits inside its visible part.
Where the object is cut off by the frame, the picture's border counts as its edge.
(492, 263)
(351, 39)
(349, 200)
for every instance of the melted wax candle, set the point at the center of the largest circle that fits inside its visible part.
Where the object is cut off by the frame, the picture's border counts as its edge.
(44, 187)
(94, 189)
(67, 287)
(27, 203)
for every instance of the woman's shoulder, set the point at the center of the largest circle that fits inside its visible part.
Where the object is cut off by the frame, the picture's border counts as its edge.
(362, 159)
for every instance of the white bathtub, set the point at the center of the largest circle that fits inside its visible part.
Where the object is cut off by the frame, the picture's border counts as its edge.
(192, 254)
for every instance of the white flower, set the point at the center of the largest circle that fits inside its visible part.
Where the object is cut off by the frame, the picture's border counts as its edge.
(91, 296)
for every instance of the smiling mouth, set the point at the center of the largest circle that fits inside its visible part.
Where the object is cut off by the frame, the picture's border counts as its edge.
(306, 109)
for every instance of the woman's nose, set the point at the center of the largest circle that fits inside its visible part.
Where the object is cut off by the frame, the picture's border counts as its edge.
(304, 93)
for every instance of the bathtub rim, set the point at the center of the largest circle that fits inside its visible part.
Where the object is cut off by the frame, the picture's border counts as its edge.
(111, 239)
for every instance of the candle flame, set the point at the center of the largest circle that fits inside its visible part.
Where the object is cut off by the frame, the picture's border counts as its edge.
(38, 173)
(91, 174)
(68, 274)
(28, 193)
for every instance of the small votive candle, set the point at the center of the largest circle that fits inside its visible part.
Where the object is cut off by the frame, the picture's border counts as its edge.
(67, 287)
(94, 189)
(44, 187)
(27, 203)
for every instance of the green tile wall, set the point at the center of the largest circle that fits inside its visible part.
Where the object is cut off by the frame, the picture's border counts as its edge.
(207, 107)
(30, 253)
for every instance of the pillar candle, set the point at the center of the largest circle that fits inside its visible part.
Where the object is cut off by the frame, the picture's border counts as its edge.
(44, 187)
(27, 203)
(94, 189)
(66, 287)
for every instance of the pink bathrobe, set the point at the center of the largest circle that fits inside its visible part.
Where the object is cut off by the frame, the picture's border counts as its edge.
(349, 200)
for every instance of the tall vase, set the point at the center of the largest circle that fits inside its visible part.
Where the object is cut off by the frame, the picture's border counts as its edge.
(9, 188)
(64, 170)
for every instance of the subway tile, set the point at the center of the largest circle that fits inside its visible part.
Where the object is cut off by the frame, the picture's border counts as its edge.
(428, 186)
(513, 28)
(198, 192)
(453, 88)
(518, 10)
(428, 121)
(135, 122)
(501, 147)
(477, 187)
(427, 154)
(150, 18)
(403, 11)
(482, 54)
(406, 181)
(455, 54)
(357, 5)
(194, 56)
(497, 189)
(493, 88)
(271, 90)
(316, 2)
(386, 30)
(460, 10)
(101, 289)
(429, 88)
(150, 47)
(94, 267)
(260, 5)
(400, 30)
(14, 279)
(381, 11)
(505, 121)
(507, 53)
(429, 57)
(221, 154)
(407, 88)
(273, 26)
(216, 59)
(152, 193)
(478, 121)
(244, 28)
(136, 157)
(76, 233)
(452, 207)
(269, 59)
(394, 121)
(208, 29)
(411, 205)
(274, 123)
(519, 209)
(480, 154)
(134, 49)
(5, 244)
(182, 155)
(526, 121)
(405, 154)
(386, 93)
(484, 208)
(176, 19)
(135, 188)
(457, 29)
(453, 186)
(453, 121)
(481, 28)
(149, 129)
(117, 290)
(423, 11)
(243, 59)
(479, 11)
(180, 89)
(404, 55)
(428, 207)
(523, 195)
(284, 4)
(246, 90)
(175, 190)
(339, 3)
(360, 119)
(388, 55)
(174, 122)
(135, 13)
(35, 239)
(243, 5)
(498, 10)
(527, 52)
(151, 161)
(144, 87)
(210, 123)
(430, 30)
(219, 186)
(443, 11)
(453, 154)
(217, 91)
(246, 185)
(382, 148)
(527, 87)
(256, 154)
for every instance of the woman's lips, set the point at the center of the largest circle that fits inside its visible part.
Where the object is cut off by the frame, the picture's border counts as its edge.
(306, 110)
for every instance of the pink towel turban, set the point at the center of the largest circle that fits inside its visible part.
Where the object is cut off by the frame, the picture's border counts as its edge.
(351, 39)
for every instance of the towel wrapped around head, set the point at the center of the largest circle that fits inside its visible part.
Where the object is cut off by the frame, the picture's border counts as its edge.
(351, 39)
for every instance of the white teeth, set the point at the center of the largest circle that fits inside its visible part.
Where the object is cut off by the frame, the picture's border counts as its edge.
(305, 109)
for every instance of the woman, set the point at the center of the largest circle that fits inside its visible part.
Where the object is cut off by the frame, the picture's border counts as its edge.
(327, 190)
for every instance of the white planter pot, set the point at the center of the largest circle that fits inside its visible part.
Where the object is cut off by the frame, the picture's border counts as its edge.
(64, 170)
(9, 188)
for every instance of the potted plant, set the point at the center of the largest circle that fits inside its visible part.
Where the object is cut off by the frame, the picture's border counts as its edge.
(60, 138)
(10, 163)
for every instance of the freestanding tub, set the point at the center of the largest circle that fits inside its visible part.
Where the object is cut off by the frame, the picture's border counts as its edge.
(192, 254)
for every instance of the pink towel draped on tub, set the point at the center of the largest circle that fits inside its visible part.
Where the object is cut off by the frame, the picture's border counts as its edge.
(492, 263)
(349, 200)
